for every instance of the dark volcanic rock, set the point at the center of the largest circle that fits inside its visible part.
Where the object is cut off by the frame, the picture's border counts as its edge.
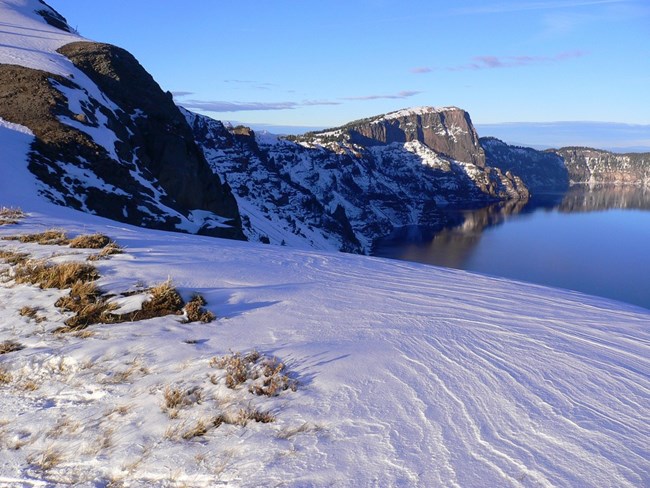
(120, 149)
(448, 131)
(54, 18)
(325, 190)
(540, 171)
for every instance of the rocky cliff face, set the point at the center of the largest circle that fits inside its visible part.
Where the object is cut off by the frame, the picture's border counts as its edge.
(327, 191)
(111, 142)
(586, 165)
(448, 131)
(541, 171)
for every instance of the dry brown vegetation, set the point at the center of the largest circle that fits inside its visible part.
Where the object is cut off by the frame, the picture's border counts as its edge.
(195, 312)
(10, 346)
(31, 313)
(110, 249)
(265, 374)
(10, 215)
(52, 237)
(13, 258)
(5, 375)
(88, 304)
(90, 241)
(48, 275)
(175, 398)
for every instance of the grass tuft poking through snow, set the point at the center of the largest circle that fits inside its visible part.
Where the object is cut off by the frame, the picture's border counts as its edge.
(10, 346)
(58, 275)
(52, 237)
(264, 375)
(195, 312)
(90, 241)
(10, 215)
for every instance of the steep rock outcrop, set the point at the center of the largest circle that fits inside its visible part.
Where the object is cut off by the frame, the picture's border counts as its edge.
(587, 165)
(541, 171)
(111, 142)
(448, 131)
(323, 190)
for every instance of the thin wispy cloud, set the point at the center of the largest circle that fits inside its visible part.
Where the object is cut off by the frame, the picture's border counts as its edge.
(505, 7)
(396, 96)
(496, 62)
(181, 94)
(258, 85)
(225, 106)
(421, 70)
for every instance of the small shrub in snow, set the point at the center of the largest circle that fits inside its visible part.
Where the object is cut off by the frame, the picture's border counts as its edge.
(195, 312)
(10, 346)
(265, 374)
(90, 241)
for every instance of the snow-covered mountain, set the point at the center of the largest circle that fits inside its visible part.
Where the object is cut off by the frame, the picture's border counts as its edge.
(108, 139)
(342, 188)
(396, 374)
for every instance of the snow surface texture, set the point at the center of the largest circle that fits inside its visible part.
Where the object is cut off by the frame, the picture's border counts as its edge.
(408, 375)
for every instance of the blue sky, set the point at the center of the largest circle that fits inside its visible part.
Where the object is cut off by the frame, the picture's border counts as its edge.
(324, 63)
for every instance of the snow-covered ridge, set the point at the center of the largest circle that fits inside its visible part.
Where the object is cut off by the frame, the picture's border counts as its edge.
(28, 40)
(409, 112)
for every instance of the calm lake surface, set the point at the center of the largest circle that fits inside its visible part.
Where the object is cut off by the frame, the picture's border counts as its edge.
(596, 241)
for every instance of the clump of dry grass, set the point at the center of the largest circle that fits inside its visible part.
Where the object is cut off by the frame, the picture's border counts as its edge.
(13, 258)
(52, 237)
(175, 398)
(198, 430)
(10, 215)
(61, 275)
(110, 249)
(46, 460)
(90, 241)
(88, 304)
(31, 313)
(195, 312)
(5, 375)
(10, 346)
(265, 374)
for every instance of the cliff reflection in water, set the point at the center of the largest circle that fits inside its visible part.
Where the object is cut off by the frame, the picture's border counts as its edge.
(590, 239)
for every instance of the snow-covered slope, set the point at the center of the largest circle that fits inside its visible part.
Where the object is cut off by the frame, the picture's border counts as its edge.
(108, 140)
(406, 375)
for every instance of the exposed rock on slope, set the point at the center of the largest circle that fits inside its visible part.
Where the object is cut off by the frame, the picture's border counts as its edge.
(539, 170)
(108, 140)
(586, 165)
(447, 131)
(327, 191)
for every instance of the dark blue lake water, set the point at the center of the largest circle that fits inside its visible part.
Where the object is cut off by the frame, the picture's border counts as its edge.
(592, 240)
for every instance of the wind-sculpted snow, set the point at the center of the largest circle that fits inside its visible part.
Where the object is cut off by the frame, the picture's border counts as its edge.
(408, 375)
